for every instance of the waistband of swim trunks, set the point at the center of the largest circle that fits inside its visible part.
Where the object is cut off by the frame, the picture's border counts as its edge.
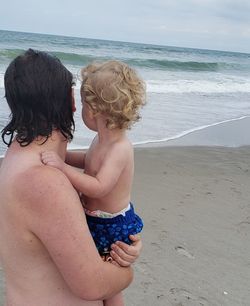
(104, 214)
(129, 216)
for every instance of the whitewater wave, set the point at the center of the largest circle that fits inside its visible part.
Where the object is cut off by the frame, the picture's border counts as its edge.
(198, 86)
(185, 86)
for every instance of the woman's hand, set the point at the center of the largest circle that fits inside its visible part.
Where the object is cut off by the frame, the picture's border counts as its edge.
(125, 254)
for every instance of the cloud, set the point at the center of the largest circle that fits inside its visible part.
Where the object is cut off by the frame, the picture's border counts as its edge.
(194, 23)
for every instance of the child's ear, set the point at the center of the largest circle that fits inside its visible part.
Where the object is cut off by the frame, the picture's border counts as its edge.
(73, 103)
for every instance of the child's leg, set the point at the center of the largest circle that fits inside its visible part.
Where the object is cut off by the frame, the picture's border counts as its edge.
(116, 300)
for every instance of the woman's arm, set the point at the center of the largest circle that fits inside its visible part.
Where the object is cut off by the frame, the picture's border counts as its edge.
(54, 214)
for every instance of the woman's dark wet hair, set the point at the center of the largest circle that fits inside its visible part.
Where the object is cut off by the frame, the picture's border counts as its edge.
(38, 89)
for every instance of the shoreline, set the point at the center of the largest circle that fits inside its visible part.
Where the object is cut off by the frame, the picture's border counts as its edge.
(227, 133)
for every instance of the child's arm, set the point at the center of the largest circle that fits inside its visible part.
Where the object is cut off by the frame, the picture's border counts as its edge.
(93, 187)
(75, 159)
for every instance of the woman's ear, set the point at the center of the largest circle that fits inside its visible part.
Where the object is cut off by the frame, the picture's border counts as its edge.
(73, 100)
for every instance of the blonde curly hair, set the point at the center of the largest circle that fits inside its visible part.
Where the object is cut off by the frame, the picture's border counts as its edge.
(115, 90)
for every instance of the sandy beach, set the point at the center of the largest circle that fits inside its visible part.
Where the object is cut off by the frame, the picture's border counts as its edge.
(195, 204)
(193, 193)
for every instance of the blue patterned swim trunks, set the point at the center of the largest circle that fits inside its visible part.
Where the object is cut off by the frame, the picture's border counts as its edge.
(106, 231)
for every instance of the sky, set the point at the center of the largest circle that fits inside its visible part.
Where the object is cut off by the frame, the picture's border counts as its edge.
(206, 24)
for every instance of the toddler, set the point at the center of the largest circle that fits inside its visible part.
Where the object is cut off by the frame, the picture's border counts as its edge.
(112, 95)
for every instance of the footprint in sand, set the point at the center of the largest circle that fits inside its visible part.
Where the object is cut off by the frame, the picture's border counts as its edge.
(208, 193)
(182, 251)
(183, 297)
(235, 190)
(156, 246)
(243, 226)
(163, 235)
(153, 223)
(145, 268)
(245, 222)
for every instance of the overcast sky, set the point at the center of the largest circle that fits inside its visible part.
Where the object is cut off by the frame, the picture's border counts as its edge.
(210, 24)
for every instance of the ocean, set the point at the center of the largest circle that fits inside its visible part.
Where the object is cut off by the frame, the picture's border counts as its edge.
(187, 89)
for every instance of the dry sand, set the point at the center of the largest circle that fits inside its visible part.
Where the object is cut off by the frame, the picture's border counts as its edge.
(195, 204)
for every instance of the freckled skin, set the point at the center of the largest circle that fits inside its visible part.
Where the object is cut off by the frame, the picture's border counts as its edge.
(47, 253)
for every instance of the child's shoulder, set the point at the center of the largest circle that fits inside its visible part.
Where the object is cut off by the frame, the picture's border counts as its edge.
(123, 143)
(121, 147)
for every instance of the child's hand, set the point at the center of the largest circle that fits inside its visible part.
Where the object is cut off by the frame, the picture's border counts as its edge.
(51, 158)
(125, 254)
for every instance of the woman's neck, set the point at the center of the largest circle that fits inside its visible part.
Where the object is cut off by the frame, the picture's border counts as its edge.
(56, 142)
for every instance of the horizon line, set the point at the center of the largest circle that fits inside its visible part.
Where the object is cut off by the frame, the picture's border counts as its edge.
(130, 42)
